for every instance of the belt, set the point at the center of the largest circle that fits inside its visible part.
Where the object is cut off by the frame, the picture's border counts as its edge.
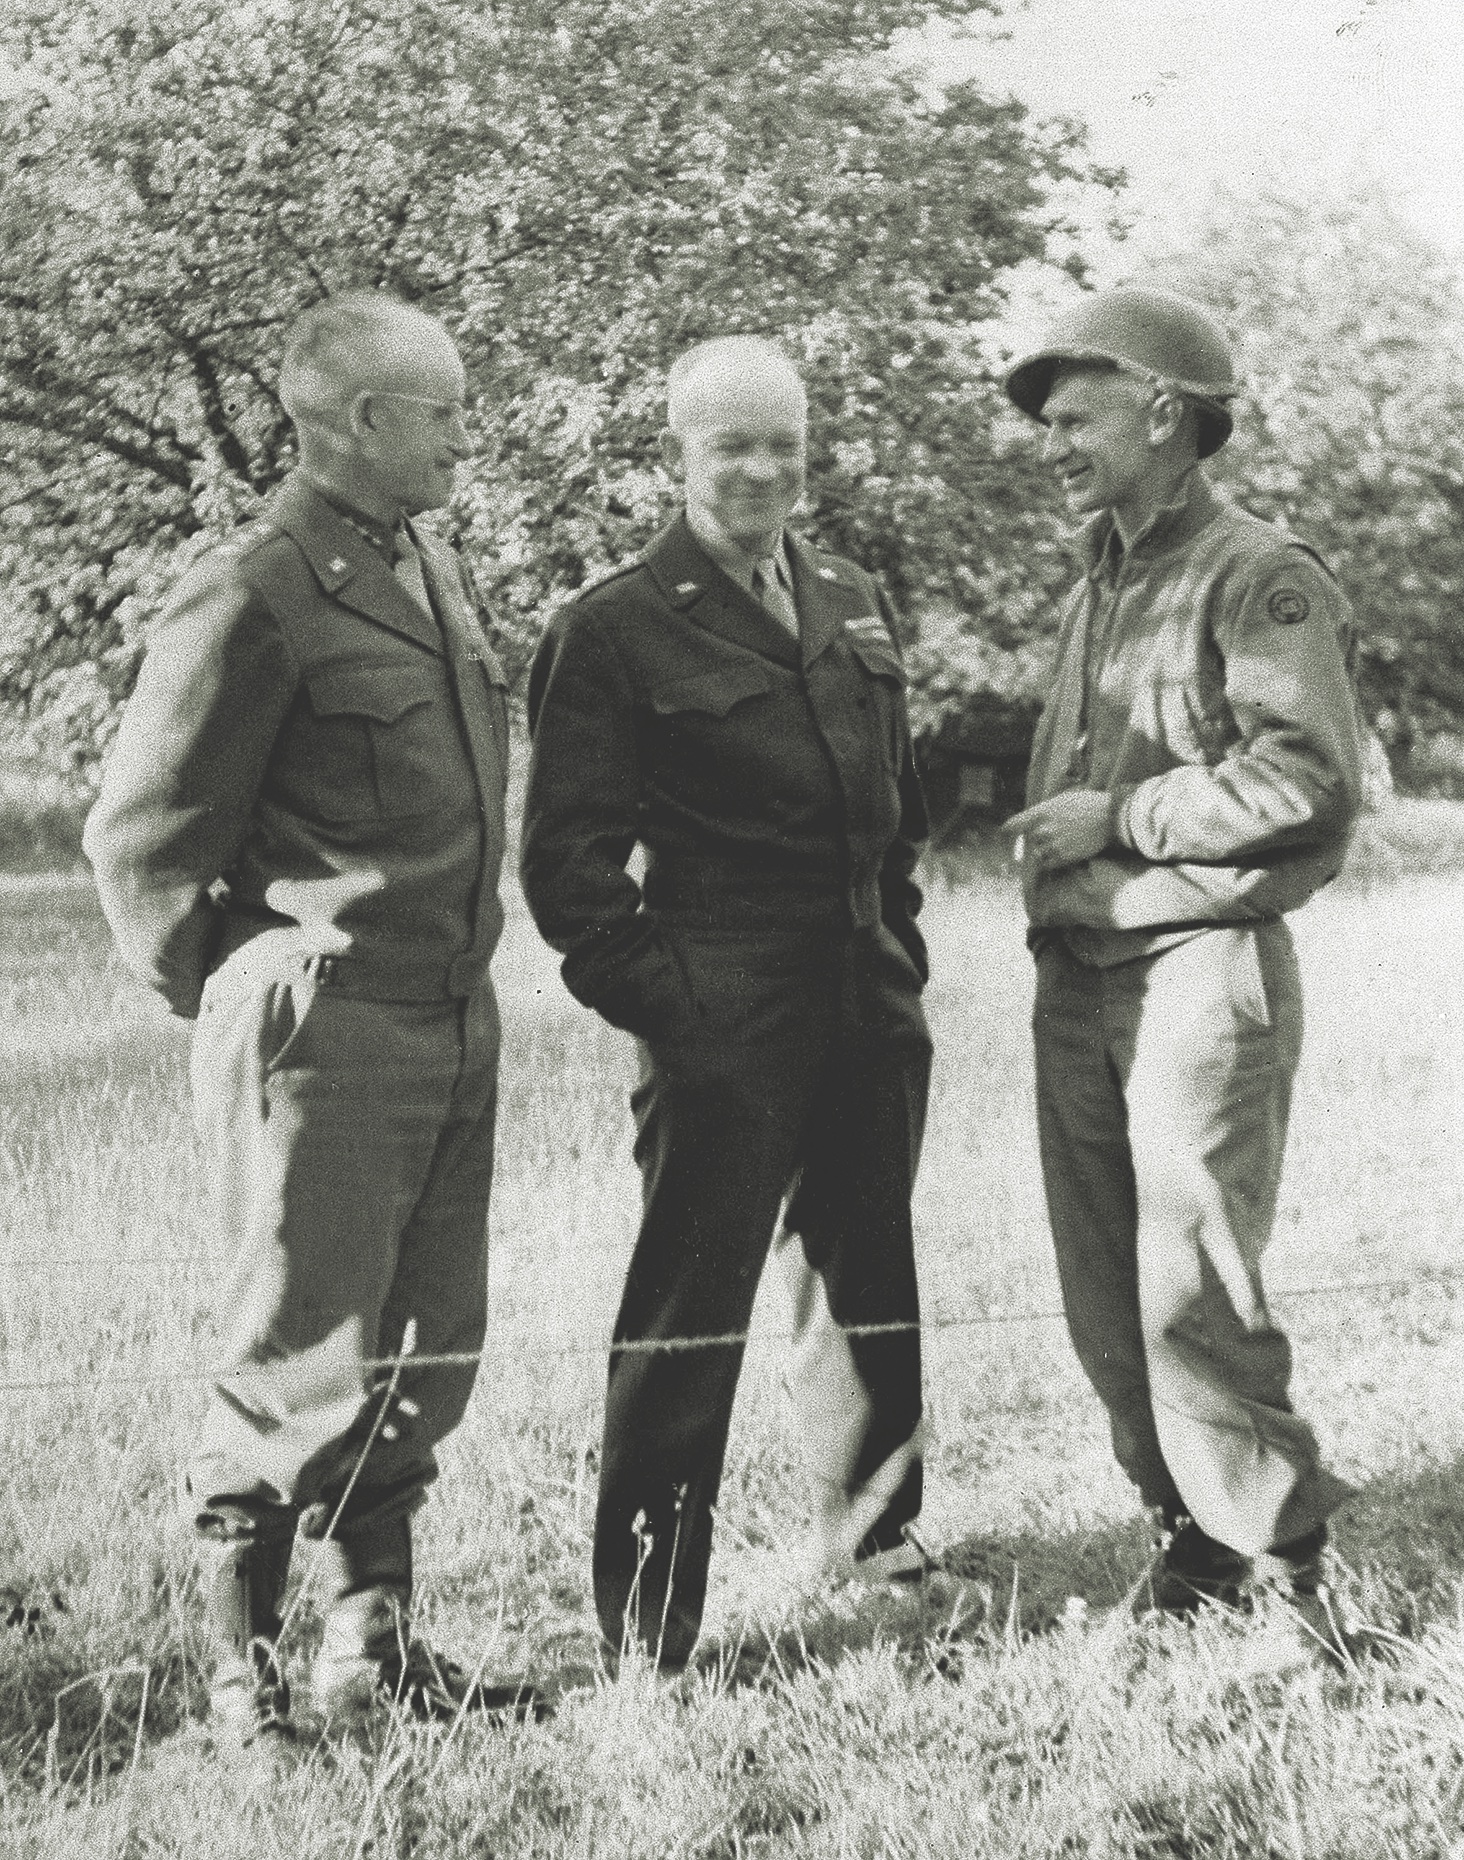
(275, 955)
(1109, 949)
(386, 978)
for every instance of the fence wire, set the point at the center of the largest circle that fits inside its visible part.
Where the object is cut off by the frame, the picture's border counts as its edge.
(558, 1344)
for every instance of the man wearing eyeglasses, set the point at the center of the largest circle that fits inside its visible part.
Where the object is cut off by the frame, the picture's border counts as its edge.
(298, 843)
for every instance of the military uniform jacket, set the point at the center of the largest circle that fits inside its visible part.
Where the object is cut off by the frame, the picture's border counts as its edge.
(770, 780)
(309, 754)
(1202, 681)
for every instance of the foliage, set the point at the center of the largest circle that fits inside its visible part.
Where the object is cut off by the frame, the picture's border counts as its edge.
(580, 188)
(1350, 333)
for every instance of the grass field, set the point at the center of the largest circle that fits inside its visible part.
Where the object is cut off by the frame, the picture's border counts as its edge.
(1019, 1729)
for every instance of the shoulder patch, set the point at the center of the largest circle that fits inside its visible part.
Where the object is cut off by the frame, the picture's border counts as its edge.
(1288, 606)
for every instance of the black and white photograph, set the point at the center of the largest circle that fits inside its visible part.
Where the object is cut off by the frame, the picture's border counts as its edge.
(731, 879)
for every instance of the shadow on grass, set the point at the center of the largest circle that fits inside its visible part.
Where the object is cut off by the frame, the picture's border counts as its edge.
(1400, 1547)
(67, 1724)
(1399, 1565)
(1002, 1588)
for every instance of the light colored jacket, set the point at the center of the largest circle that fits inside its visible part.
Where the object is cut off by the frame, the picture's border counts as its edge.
(1202, 682)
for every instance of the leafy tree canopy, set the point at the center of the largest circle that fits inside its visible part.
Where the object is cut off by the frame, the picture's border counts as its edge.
(580, 188)
(1349, 328)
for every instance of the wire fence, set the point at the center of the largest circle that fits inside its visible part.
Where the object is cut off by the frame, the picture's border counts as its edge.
(549, 1343)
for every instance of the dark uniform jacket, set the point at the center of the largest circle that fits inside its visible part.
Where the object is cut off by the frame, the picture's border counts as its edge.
(1202, 681)
(770, 780)
(309, 754)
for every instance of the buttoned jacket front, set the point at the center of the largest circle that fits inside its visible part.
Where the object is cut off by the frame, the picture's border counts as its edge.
(770, 779)
(309, 755)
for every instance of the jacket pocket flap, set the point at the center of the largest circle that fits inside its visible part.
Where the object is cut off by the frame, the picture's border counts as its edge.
(876, 654)
(714, 692)
(381, 692)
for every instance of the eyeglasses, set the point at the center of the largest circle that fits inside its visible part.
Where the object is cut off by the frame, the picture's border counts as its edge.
(443, 410)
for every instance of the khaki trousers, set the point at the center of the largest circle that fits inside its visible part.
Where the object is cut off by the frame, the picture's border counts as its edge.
(1163, 1093)
(351, 1145)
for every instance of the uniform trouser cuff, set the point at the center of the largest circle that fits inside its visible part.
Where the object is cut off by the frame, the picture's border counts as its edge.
(1311, 1502)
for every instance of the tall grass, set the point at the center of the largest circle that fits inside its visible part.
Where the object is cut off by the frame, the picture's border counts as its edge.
(41, 814)
(1005, 1724)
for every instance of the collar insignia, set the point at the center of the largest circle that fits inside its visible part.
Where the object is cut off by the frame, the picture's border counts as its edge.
(828, 574)
(687, 587)
(337, 566)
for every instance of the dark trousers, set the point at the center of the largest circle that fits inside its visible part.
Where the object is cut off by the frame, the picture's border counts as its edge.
(804, 1071)
(351, 1146)
(1163, 1093)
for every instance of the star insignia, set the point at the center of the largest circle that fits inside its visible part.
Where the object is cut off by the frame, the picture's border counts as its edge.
(337, 566)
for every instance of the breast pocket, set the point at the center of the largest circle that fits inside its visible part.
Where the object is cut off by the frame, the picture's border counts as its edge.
(710, 694)
(373, 749)
(883, 696)
(706, 741)
(878, 656)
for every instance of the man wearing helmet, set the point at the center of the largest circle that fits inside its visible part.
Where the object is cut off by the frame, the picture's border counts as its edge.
(1195, 775)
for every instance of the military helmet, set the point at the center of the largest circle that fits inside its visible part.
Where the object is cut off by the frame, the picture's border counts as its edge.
(1153, 334)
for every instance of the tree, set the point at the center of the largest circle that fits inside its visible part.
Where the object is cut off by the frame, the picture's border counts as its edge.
(1350, 335)
(580, 188)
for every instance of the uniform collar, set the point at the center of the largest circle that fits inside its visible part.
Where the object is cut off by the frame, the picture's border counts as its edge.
(382, 537)
(731, 557)
(706, 592)
(1170, 527)
(827, 592)
(348, 567)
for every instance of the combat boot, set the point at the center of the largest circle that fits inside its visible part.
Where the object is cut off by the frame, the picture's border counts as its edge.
(369, 1656)
(1192, 1569)
(1305, 1559)
(244, 1584)
(1327, 1626)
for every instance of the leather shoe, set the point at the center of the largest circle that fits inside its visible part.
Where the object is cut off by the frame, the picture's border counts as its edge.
(349, 1683)
(1193, 1570)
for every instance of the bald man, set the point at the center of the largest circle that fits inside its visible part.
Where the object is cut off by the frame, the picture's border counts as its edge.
(298, 843)
(733, 702)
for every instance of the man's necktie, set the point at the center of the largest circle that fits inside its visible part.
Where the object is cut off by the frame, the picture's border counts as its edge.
(406, 565)
(770, 588)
